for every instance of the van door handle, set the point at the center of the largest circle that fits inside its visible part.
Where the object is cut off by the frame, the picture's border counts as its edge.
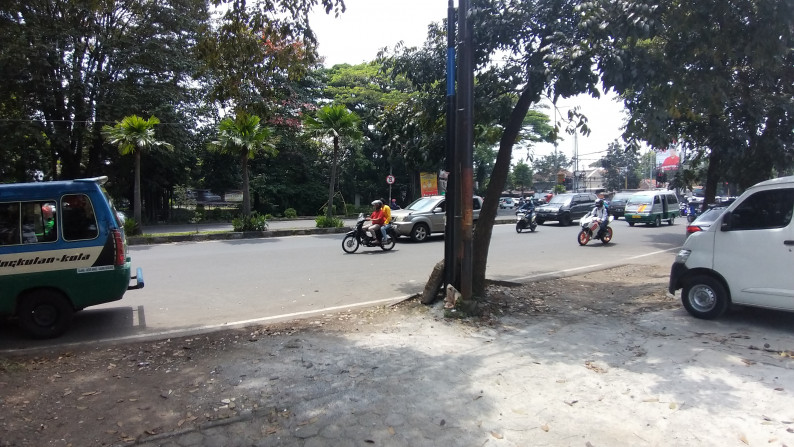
(788, 242)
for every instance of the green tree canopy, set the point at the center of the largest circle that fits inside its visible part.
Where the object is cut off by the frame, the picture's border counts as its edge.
(134, 135)
(335, 122)
(243, 137)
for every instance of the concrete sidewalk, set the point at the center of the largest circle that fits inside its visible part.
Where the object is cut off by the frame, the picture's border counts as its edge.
(410, 377)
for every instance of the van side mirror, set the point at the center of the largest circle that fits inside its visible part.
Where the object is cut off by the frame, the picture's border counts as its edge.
(727, 221)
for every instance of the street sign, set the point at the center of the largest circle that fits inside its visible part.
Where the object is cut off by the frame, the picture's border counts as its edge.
(390, 179)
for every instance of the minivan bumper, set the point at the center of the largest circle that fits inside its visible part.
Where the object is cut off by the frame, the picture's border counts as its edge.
(678, 271)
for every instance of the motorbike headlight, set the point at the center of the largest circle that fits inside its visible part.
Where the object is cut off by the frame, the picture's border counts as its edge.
(682, 256)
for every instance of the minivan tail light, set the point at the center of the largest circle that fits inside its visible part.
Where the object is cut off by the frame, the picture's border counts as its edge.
(120, 257)
(692, 229)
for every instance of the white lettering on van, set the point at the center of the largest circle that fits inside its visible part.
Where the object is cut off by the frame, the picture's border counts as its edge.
(37, 260)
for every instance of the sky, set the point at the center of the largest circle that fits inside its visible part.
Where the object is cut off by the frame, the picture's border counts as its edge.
(367, 26)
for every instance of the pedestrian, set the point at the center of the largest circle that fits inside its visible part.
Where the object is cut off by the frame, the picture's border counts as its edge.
(394, 205)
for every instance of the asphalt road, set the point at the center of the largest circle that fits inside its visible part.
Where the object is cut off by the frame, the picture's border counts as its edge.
(198, 286)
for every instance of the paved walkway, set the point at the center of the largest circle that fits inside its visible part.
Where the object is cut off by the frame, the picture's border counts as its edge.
(416, 379)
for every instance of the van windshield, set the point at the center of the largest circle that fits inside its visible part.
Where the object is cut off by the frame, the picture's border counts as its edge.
(640, 200)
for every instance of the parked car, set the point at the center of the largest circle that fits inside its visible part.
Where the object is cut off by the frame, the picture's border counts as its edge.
(425, 216)
(705, 219)
(744, 258)
(565, 208)
(617, 205)
(507, 202)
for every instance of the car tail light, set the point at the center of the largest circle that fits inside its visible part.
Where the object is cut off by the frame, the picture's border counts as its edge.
(120, 258)
(692, 229)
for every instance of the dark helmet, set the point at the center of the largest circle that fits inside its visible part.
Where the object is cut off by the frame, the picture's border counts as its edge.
(599, 203)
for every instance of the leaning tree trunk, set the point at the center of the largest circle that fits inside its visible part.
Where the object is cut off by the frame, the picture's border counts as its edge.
(482, 237)
(137, 192)
(246, 193)
(329, 207)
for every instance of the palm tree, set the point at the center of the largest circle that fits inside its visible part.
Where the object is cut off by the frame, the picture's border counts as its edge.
(244, 137)
(133, 135)
(337, 122)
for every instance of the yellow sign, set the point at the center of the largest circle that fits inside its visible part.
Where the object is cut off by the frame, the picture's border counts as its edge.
(429, 183)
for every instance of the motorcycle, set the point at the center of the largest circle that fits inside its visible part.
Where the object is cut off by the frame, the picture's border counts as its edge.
(358, 236)
(590, 226)
(526, 219)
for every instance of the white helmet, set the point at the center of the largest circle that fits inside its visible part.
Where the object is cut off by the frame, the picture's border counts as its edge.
(377, 202)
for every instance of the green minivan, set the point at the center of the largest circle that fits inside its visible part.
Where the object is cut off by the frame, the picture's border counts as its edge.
(652, 207)
(62, 249)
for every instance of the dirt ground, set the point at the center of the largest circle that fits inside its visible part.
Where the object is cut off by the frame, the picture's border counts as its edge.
(112, 394)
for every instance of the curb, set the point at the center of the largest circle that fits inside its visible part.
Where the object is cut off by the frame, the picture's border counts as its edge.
(231, 235)
(237, 235)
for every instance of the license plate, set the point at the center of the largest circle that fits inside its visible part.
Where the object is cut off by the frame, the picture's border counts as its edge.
(635, 216)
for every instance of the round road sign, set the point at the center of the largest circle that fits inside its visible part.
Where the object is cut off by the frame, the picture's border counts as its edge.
(390, 179)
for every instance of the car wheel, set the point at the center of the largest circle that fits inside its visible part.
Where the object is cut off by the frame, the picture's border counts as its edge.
(658, 221)
(45, 313)
(350, 244)
(420, 232)
(540, 221)
(565, 220)
(705, 297)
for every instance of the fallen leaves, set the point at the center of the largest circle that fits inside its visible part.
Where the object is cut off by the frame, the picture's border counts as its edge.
(589, 364)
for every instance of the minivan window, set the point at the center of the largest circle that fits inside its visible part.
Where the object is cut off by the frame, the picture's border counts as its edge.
(27, 222)
(9, 224)
(79, 220)
(764, 209)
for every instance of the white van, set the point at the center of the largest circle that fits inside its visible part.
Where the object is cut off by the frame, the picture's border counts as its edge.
(651, 207)
(745, 257)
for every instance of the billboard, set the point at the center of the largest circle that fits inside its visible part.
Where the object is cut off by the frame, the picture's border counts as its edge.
(429, 183)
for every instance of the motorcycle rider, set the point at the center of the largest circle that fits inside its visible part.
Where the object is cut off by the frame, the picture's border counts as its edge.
(600, 213)
(377, 220)
(386, 222)
(527, 207)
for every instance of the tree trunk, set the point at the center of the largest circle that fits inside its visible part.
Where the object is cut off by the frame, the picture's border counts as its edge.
(246, 192)
(329, 208)
(482, 237)
(137, 192)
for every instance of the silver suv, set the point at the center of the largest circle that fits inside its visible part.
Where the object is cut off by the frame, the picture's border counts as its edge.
(426, 216)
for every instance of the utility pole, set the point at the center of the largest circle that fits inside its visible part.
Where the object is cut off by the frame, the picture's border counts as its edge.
(451, 235)
(465, 144)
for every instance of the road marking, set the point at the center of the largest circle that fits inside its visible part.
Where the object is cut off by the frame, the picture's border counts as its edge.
(566, 272)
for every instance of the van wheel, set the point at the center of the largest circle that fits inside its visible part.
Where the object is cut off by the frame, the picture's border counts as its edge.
(704, 297)
(671, 220)
(658, 221)
(44, 313)
(420, 232)
(631, 224)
